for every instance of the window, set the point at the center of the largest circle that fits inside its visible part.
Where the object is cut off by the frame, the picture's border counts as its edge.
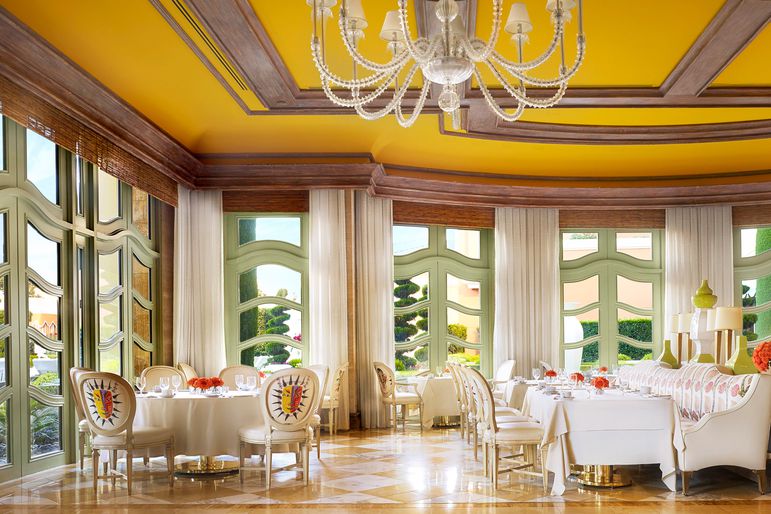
(611, 296)
(752, 262)
(442, 297)
(266, 285)
(42, 168)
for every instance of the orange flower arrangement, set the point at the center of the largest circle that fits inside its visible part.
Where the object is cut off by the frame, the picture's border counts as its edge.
(762, 356)
(205, 383)
(577, 377)
(603, 369)
(262, 375)
(600, 382)
(550, 373)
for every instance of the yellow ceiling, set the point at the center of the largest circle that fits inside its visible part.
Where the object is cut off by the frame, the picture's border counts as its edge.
(752, 67)
(130, 48)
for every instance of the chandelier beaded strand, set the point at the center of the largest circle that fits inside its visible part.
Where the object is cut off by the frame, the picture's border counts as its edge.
(448, 58)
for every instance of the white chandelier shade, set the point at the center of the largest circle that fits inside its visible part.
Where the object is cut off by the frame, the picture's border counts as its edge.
(448, 58)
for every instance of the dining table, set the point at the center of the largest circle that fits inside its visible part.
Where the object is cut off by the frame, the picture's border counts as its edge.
(613, 428)
(205, 426)
(439, 397)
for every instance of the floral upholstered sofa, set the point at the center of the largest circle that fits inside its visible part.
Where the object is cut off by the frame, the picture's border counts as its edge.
(724, 419)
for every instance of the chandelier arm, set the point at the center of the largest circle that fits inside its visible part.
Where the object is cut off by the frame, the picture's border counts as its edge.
(559, 27)
(564, 76)
(396, 62)
(489, 47)
(521, 95)
(325, 72)
(497, 109)
(408, 122)
(393, 103)
(412, 46)
(356, 100)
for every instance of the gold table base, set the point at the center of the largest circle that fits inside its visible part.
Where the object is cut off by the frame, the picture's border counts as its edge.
(206, 465)
(601, 475)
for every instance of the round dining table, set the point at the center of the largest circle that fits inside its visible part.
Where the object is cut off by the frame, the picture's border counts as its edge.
(202, 425)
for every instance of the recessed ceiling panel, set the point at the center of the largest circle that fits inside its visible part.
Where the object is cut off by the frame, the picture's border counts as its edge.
(752, 67)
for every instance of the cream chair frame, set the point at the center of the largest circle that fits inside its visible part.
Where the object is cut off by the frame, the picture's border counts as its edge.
(322, 373)
(153, 375)
(121, 429)
(84, 433)
(228, 375)
(274, 430)
(188, 371)
(331, 401)
(386, 379)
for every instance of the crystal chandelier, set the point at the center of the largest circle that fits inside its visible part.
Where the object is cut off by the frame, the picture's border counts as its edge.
(448, 58)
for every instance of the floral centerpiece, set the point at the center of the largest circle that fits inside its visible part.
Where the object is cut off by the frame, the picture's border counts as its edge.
(762, 357)
(550, 374)
(577, 377)
(603, 369)
(599, 384)
(204, 384)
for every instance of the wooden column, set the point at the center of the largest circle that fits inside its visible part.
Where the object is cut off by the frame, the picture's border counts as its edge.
(350, 271)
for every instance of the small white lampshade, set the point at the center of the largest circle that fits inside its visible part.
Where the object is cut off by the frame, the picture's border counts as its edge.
(392, 28)
(551, 5)
(518, 18)
(684, 322)
(354, 12)
(711, 313)
(321, 4)
(728, 318)
(674, 323)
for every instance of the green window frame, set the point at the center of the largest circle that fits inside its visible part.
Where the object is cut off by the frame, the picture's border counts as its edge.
(262, 329)
(752, 269)
(437, 318)
(604, 276)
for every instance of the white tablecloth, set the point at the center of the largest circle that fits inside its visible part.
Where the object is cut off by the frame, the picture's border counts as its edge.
(438, 398)
(608, 429)
(201, 425)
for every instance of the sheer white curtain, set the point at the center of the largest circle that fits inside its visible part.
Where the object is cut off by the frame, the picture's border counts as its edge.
(527, 291)
(375, 306)
(699, 245)
(328, 342)
(199, 333)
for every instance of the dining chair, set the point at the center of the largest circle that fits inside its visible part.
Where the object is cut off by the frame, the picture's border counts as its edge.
(545, 366)
(187, 370)
(110, 407)
(331, 401)
(228, 374)
(500, 434)
(287, 398)
(503, 374)
(84, 433)
(393, 397)
(322, 373)
(153, 375)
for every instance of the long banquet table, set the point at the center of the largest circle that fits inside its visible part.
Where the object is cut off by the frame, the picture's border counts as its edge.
(614, 428)
(438, 397)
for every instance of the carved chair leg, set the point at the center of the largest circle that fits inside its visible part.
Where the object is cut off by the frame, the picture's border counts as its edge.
(544, 471)
(129, 470)
(268, 464)
(170, 464)
(686, 478)
(114, 466)
(761, 480)
(81, 448)
(241, 461)
(95, 466)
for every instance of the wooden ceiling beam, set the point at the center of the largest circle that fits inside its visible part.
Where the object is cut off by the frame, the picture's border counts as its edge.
(736, 24)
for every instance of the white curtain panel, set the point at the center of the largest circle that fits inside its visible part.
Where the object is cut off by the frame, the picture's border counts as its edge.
(328, 342)
(374, 301)
(199, 333)
(699, 245)
(527, 291)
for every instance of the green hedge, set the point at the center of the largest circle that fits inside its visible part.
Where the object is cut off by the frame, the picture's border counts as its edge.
(763, 292)
(640, 329)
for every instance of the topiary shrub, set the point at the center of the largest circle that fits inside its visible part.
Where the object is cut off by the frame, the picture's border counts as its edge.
(421, 354)
(398, 365)
(295, 363)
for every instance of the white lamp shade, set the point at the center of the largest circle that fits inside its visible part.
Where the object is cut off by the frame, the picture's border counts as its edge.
(711, 319)
(321, 4)
(392, 28)
(728, 318)
(354, 12)
(551, 5)
(573, 330)
(518, 18)
(684, 322)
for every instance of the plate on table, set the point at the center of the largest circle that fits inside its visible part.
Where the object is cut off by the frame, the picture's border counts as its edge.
(211, 395)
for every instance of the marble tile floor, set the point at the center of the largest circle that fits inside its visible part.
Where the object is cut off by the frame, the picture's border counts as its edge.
(377, 471)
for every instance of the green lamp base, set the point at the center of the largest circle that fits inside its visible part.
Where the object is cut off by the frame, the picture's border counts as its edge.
(740, 361)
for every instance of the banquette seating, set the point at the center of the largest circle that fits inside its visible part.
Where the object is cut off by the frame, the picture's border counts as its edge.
(724, 419)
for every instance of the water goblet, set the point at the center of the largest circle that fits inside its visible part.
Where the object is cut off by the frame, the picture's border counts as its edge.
(251, 382)
(239, 382)
(164, 383)
(536, 373)
(176, 381)
(141, 383)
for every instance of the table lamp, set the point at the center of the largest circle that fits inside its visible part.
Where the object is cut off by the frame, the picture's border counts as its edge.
(684, 330)
(728, 319)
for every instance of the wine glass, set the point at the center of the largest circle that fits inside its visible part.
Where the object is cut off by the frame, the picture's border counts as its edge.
(176, 381)
(251, 382)
(239, 382)
(536, 373)
(164, 383)
(141, 383)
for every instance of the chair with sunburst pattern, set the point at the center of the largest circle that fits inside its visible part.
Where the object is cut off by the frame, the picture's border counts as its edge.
(110, 406)
(287, 404)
